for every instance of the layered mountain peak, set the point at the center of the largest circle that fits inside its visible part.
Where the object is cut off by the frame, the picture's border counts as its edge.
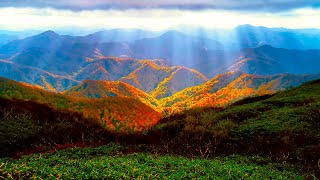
(49, 37)
(118, 35)
(49, 33)
(266, 46)
(249, 27)
(173, 34)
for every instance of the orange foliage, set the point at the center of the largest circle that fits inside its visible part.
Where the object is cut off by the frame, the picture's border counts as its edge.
(122, 112)
(222, 90)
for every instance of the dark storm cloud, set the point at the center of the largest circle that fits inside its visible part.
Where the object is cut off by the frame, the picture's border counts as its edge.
(251, 5)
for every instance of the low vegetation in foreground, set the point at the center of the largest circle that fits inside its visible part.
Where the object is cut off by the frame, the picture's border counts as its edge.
(116, 162)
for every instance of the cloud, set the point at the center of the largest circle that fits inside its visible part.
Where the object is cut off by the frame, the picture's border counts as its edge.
(154, 19)
(247, 5)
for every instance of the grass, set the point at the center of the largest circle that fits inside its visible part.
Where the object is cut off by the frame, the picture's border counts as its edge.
(284, 127)
(112, 162)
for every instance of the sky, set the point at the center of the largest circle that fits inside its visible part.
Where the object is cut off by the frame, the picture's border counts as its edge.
(157, 14)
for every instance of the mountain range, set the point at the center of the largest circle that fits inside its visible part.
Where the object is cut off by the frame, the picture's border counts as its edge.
(267, 60)
(208, 51)
(170, 70)
(59, 62)
(249, 36)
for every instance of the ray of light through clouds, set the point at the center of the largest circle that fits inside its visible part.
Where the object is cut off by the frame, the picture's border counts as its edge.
(157, 15)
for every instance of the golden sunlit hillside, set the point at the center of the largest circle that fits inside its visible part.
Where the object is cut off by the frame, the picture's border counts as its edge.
(119, 113)
(147, 76)
(180, 78)
(227, 88)
(100, 89)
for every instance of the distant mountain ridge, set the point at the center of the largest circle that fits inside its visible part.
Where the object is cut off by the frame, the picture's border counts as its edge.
(254, 36)
(54, 53)
(49, 47)
(267, 60)
(249, 36)
(119, 35)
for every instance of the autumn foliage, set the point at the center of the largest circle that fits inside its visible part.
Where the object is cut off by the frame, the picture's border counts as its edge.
(117, 113)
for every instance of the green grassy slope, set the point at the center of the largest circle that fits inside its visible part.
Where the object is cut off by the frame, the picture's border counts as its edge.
(111, 162)
(284, 126)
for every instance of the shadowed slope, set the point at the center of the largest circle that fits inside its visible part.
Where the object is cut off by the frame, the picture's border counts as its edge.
(36, 76)
(267, 60)
(28, 126)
